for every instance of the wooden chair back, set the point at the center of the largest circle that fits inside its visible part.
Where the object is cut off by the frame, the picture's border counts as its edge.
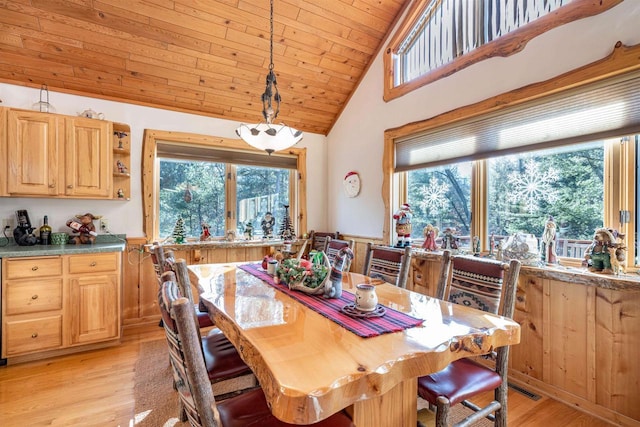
(319, 239)
(388, 263)
(334, 246)
(190, 374)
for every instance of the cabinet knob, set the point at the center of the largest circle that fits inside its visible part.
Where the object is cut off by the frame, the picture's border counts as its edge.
(52, 185)
(93, 264)
(34, 268)
(34, 335)
(34, 296)
(69, 186)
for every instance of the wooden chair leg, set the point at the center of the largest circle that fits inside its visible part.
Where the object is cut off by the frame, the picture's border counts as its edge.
(442, 412)
(501, 396)
(182, 413)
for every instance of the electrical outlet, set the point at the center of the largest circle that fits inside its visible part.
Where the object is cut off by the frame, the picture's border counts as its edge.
(7, 223)
(104, 225)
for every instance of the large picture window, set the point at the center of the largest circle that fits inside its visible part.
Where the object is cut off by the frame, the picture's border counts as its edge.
(222, 183)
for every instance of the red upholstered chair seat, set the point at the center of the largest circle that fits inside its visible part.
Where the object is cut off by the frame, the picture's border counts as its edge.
(459, 381)
(250, 410)
(204, 321)
(221, 358)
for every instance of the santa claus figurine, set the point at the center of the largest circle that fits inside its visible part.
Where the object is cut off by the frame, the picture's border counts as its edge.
(403, 225)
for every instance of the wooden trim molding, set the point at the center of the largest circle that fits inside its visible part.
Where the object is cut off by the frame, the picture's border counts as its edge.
(506, 45)
(623, 59)
(150, 208)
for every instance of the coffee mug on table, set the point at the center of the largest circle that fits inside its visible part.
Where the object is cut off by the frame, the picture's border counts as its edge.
(366, 298)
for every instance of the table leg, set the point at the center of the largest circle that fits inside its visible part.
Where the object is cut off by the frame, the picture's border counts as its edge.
(396, 408)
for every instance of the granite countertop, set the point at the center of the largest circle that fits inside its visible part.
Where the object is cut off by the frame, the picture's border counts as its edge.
(104, 243)
(577, 275)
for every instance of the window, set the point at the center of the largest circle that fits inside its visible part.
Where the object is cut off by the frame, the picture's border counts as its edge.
(220, 182)
(439, 37)
(441, 197)
(566, 184)
(565, 148)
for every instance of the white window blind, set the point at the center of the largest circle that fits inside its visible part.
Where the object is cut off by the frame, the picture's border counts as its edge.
(168, 149)
(595, 111)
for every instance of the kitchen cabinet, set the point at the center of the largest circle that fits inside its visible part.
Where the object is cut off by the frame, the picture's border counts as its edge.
(60, 302)
(51, 155)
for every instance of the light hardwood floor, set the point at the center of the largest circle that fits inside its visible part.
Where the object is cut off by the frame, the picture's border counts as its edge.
(95, 388)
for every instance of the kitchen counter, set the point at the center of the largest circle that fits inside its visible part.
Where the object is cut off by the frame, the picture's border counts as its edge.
(104, 243)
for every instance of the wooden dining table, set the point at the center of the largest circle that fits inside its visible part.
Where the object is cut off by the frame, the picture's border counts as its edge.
(311, 367)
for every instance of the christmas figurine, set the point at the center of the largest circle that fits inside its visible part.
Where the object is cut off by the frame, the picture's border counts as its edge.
(430, 234)
(205, 231)
(267, 225)
(179, 233)
(403, 225)
(549, 242)
(248, 231)
(286, 227)
(449, 240)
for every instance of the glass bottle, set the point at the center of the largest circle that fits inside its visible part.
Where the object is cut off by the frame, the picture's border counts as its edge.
(45, 232)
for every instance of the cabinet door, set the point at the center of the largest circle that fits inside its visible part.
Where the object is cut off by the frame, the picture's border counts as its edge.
(33, 154)
(88, 157)
(94, 308)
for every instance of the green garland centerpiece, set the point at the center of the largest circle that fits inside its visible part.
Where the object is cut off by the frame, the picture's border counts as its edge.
(305, 275)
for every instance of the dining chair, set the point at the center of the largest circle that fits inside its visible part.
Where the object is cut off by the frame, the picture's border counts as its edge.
(227, 372)
(486, 285)
(319, 239)
(388, 263)
(334, 246)
(195, 393)
(165, 261)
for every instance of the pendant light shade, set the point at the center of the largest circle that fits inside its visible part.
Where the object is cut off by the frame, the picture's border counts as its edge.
(268, 136)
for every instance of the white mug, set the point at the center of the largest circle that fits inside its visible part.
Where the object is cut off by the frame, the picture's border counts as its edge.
(366, 297)
(271, 267)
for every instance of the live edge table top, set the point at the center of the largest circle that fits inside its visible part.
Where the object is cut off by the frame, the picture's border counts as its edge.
(311, 367)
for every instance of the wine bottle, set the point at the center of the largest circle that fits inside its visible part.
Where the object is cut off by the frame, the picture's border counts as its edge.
(45, 232)
(80, 228)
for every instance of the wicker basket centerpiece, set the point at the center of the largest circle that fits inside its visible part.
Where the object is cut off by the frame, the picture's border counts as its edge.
(308, 276)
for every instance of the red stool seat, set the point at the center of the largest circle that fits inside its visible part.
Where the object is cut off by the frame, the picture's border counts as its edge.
(250, 409)
(459, 381)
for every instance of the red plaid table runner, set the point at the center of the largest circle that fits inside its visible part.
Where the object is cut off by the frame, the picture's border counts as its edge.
(392, 321)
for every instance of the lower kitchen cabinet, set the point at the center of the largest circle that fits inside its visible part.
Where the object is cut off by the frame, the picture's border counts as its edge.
(59, 302)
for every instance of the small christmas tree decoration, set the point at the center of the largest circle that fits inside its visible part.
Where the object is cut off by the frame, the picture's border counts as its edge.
(179, 232)
(286, 227)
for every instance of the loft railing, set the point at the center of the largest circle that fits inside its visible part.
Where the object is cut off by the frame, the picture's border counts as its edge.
(449, 29)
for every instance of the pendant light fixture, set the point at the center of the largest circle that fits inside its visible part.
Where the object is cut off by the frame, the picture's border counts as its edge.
(266, 135)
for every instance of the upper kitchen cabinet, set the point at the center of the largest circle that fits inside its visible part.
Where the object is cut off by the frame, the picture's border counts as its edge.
(33, 154)
(87, 158)
(51, 155)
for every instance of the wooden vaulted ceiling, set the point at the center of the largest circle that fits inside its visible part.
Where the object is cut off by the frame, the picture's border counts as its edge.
(208, 57)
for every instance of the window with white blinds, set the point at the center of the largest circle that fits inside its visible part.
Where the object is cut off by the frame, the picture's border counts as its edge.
(608, 108)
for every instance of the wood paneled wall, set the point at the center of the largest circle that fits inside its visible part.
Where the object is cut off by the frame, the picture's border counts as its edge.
(580, 341)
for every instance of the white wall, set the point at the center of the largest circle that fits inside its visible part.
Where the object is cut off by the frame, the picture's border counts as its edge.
(357, 139)
(126, 217)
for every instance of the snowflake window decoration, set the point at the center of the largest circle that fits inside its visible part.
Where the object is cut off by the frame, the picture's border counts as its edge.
(434, 195)
(533, 186)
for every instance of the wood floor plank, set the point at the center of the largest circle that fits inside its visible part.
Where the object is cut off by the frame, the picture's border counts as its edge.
(95, 388)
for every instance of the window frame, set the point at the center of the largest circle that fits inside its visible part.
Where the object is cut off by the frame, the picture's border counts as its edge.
(504, 46)
(151, 178)
(619, 191)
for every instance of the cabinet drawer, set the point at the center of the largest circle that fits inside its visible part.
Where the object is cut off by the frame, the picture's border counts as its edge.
(32, 296)
(92, 263)
(25, 268)
(24, 336)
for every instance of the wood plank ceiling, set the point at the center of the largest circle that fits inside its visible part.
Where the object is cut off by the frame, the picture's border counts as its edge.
(208, 57)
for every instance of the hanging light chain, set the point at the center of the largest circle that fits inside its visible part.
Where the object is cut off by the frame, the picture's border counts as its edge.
(271, 90)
